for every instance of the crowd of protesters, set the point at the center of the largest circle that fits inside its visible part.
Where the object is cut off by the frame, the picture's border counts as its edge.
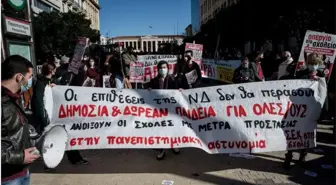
(17, 78)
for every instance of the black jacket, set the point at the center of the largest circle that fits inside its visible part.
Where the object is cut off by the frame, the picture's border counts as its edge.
(15, 137)
(169, 83)
(184, 68)
(240, 73)
(41, 119)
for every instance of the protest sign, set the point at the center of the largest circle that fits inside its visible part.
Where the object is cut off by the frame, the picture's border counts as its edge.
(323, 44)
(39, 69)
(137, 72)
(89, 82)
(106, 81)
(240, 118)
(149, 63)
(208, 68)
(197, 50)
(219, 70)
(78, 55)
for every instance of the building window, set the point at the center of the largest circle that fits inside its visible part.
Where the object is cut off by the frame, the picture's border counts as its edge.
(134, 45)
(43, 6)
(139, 47)
(126, 44)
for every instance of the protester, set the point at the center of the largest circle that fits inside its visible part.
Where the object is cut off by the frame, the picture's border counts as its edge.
(128, 57)
(41, 119)
(16, 147)
(92, 72)
(163, 81)
(287, 60)
(189, 73)
(62, 76)
(40, 115)
(117, 75)
(259, 71)
(245, 72)
(311, 72)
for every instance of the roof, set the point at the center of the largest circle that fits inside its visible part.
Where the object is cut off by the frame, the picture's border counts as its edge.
(139, 36)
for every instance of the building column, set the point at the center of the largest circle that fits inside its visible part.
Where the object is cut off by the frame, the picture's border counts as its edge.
(148, 46)
(141, 45)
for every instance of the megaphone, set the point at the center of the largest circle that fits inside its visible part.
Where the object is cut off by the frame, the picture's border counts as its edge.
(51, 145)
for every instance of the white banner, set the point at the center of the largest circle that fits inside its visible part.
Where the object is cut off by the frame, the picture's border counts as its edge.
(243, 118)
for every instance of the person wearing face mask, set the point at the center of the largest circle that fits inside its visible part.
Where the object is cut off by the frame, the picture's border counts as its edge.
(163, 81)
(312, 72)
(244, 73)
(17, 151)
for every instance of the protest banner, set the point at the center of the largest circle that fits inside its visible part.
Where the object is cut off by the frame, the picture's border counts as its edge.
(78, 55)
(137, 72)
(197, 50)
(219, 70)
(240, 118)
(149, 63)
(323, 44)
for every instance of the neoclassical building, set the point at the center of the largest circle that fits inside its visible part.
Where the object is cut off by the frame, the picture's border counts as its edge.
(149, 43)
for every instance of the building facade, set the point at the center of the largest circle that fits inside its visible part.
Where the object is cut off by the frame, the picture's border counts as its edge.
(189, 31)
(209, 8)
(89, 7)
(149, 43)
(195, 16)
(92, 8)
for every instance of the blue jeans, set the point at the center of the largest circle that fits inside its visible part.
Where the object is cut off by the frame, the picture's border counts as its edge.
(119, 82)
(19, 181)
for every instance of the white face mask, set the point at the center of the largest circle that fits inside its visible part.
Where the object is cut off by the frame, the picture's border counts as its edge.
(163, 71)
(92, 64)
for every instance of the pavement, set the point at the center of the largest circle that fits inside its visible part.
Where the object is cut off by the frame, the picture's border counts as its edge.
(192, 167)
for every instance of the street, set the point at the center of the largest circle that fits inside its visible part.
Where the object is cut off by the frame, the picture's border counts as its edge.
(192, 166)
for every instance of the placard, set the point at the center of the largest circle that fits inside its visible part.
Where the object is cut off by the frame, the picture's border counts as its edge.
(78, 55)
(323, 44)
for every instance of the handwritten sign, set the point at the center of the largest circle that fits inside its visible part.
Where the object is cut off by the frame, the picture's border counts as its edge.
(241, 118)
(323, 44)
(78, 55)
(137, 72)
(149, 63)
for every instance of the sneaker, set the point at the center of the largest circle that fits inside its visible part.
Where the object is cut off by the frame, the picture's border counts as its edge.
(176, 150)
(160, 155)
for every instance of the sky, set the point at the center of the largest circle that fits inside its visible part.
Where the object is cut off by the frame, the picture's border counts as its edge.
(133, 17)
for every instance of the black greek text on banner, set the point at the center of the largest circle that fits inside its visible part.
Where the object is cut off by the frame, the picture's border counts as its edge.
(241, 118)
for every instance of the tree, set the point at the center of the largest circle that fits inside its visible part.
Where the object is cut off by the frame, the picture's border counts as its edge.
(57, 33)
